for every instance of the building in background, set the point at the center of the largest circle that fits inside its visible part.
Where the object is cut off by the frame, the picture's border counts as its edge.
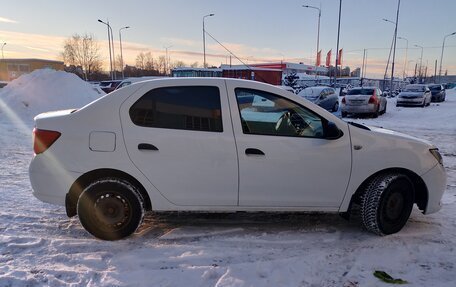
(271, 73)
(195, 72)
(11, 69)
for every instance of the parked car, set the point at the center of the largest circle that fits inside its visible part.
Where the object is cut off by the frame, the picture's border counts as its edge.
(364, 100)
(437, 93)
(109, 86)
(218, 145)
(323, 96)
(129, 81)
(414, 95)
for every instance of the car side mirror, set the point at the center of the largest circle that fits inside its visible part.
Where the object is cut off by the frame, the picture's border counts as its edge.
(332, 132)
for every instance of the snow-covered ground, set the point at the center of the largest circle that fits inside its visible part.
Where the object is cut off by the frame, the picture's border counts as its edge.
(40, 246)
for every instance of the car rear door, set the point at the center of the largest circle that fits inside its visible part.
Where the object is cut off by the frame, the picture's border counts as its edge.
(277, 167)
(179, 135)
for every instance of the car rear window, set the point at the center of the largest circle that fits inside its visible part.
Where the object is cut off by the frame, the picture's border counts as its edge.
(186, 108)
(414, 88)
(360, 92)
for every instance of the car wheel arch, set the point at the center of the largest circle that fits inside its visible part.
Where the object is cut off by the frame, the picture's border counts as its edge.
(76, 189)
(421, 191)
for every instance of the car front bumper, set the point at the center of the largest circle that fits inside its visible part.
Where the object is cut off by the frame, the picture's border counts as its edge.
(435, 180)
(50, 181)
(410, 102)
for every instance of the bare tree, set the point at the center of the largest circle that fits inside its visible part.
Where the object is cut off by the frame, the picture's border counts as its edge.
(178, 64)
(194, 65)
(82, 51)
(161, 65)
(145, 61)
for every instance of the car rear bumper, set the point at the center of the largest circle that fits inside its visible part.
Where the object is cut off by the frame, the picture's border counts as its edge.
(361, 109)
(435, 180)
(50, 181)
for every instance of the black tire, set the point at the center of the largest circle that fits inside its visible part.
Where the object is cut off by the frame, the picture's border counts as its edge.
(343, 114)
(384, 110)
(335, 107)
(387, 203)
(110, 209)
(375, 114)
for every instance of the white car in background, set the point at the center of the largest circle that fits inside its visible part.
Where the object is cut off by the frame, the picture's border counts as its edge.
(414, 95)
(364, 100)
(218, 145)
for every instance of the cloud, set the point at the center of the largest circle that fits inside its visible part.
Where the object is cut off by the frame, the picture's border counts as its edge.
(6, 20)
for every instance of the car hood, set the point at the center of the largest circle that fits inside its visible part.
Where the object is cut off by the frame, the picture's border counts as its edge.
(398, 135)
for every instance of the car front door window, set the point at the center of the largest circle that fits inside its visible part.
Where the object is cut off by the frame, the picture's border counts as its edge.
(264, 113)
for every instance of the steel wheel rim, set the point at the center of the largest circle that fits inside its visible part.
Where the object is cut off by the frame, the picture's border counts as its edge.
(112, 210)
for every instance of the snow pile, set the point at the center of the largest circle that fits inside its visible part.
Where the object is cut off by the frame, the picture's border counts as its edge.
(45, 90)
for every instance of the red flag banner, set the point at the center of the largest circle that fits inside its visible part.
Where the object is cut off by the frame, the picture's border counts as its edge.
(318, 63)
(328, 58)
(339, 58)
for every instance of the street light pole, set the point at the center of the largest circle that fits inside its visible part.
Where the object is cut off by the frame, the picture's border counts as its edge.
(406, 51)
(109, 41)
(441, 55)
(167, 59)
(318, 29)
(121, 53)
(389, 55)
(421, 60)
(3, 45)
(394, 50)
(337, 49)
(204, 39)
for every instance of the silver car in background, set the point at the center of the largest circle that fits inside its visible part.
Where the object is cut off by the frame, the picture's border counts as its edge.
(364, 100)
(323, 96)
(414, 95)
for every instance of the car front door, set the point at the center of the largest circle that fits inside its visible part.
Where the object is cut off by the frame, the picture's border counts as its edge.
(284, 159)
(179, 135)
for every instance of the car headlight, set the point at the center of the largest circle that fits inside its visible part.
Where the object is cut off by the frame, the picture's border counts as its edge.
(435, 152)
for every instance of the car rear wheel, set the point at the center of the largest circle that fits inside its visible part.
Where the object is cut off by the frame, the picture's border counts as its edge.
(110, 209)
(335, 107)
(344, 114)
(387, 203)
(384, 109)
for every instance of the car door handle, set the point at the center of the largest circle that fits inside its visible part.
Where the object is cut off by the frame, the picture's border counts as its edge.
(146, 146)
(253, 151)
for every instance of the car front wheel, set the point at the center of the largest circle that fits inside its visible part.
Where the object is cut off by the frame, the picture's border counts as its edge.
(110, 209)
(387, 203)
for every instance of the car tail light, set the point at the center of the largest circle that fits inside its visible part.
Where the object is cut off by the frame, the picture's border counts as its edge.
(343, 100)
(43, 139)
(373, 100)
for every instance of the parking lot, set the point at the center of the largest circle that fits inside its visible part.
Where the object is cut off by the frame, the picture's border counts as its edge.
(39, 245)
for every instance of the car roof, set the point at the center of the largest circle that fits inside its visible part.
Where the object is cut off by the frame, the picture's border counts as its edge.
(317, 88)
(359, 88)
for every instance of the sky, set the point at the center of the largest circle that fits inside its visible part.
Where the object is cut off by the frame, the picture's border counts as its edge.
(256, 31)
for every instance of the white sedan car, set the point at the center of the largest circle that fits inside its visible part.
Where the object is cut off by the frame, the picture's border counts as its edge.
(215, 144)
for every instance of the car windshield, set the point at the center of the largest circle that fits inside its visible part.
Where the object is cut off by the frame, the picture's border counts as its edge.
(360, 92)
(414, 88)
(435, 88)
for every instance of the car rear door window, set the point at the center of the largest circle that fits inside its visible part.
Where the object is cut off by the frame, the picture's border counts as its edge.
(195, 108)
(263, 113)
